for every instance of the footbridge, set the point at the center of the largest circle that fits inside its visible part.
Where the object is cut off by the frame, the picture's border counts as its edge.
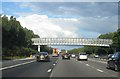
(72, 41)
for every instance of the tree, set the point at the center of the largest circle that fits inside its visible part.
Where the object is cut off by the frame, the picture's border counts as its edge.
(115, 36)
(16, 40)
(116, 40)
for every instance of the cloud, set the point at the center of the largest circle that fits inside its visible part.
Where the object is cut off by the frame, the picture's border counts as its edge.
(23, 13)
(76, 9)
(43, 26)
(99, 25)
(70, 19)
(78, 19)
(85, 27)
(60, 0)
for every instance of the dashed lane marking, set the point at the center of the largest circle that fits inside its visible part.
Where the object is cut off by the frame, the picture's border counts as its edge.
(49, 70)
(87, 65)
(56, 62)
(98, 61)
(99, 70)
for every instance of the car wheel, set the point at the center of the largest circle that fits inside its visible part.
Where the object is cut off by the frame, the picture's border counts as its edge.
(108, 66)
(48, 60)
(37, 60)
(116, 68)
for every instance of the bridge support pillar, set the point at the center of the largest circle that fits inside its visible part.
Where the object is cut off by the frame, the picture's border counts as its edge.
(38, 48)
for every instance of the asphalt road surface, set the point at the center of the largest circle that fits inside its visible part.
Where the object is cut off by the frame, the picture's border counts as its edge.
(57, 68)
(30, 68)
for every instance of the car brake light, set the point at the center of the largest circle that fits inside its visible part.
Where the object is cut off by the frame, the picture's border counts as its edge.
(118, 60)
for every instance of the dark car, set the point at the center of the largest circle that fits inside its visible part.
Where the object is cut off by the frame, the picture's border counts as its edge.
(43, 56)
(109, 55)
(114, 61)
(66, 56)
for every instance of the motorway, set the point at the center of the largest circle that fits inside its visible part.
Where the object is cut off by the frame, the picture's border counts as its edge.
(57, 68)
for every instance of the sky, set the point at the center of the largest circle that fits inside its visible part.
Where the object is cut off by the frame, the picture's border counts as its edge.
(65, 19)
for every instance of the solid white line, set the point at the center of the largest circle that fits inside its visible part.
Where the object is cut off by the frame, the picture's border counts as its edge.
(51, 75)
(16, 65)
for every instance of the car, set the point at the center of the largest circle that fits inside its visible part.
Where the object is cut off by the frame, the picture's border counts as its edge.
(96, 56)
(82, 56)
(42, 56)
(109, 55)
(73, 55)
(66, 56)
(114, 62)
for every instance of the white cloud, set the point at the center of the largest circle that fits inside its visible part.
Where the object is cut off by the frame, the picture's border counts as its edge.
(87, 27)
(60, 0)
(44, 27)
(70, 19)
(22, 13)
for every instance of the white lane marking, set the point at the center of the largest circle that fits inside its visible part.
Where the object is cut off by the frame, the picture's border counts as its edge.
(49, 70)
(87, 65)
(53, 69)
(51, 75)
(28, 58)
(94, 68)
(98, 61)
(54, 64)
(99, 70)
(16, 65)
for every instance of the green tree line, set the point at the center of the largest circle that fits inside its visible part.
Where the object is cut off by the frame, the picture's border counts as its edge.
(115, 36)
(16, 40)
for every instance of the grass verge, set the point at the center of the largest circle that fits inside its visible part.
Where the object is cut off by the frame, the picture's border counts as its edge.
(12, 58)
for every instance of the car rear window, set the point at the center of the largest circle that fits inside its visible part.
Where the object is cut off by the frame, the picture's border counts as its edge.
(43, 53)
(119, 55)
(83, 54)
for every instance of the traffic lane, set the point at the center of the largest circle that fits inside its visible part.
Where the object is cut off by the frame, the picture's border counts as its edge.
(73, 68)
(99, 59)
(101, 65)
(34, 69)
(6, 63)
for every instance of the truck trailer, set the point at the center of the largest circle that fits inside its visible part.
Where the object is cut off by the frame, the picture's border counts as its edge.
(55, 52)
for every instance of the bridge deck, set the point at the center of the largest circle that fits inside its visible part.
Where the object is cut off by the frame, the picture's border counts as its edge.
(72, 41)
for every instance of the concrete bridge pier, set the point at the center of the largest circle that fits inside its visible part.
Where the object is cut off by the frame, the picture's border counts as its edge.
(38, 48)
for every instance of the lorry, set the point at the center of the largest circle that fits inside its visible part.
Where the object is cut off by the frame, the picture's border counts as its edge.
(55, 52)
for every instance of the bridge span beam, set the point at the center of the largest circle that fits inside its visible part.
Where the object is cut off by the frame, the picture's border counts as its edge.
(72, 41)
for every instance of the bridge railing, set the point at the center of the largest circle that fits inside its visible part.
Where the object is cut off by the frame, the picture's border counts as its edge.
(71, 41)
